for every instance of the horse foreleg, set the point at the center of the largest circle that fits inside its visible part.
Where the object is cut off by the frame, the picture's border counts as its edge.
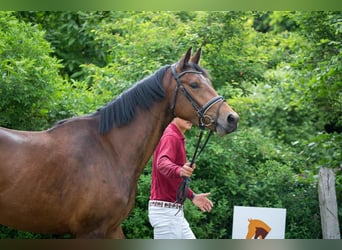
(117, 233)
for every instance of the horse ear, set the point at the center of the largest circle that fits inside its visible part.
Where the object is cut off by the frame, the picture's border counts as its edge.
(196, 58)
(185, 60)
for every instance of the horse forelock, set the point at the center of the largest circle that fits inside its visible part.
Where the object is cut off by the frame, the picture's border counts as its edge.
(122, 109)
(200, 69)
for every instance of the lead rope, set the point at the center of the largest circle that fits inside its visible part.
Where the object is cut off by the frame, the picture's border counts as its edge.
(183, 188)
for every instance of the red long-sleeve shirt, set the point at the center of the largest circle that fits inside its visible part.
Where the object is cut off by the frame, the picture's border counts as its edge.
(168, 158)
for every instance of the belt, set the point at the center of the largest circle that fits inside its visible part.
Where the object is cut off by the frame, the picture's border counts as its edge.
(154, 203)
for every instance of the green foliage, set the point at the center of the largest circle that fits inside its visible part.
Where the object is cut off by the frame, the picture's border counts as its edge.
(134, 51)
(320, 81)
(71, 34)
(28, 75)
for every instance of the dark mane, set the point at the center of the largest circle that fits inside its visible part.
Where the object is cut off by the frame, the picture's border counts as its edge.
(143, 94)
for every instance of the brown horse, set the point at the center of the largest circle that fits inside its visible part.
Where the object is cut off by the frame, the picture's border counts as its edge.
(80, 176)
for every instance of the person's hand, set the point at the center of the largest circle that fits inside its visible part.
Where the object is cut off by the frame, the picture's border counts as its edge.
(202, 202)
(186, 170)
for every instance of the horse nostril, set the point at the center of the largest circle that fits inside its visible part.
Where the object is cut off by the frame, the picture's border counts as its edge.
(231, 118)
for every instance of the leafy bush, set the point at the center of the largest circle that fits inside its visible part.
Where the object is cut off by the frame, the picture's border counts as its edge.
(28, 75)
(71, 35)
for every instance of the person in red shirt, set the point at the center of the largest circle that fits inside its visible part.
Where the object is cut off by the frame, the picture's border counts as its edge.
(169, 166)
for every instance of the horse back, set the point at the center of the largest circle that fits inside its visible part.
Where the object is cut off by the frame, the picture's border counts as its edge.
(17, 149)
(62, 149)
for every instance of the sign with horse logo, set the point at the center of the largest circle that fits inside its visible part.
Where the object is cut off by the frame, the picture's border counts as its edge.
(258, 223)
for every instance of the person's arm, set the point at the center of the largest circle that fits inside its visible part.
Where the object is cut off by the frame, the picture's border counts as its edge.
(167, 157)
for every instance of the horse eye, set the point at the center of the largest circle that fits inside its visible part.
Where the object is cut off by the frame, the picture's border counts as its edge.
(194, 85)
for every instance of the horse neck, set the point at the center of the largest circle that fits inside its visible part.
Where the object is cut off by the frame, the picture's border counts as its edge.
(137, 140)
(134, 143)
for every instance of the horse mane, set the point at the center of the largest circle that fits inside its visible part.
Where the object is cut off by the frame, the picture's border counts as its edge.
(122, 109)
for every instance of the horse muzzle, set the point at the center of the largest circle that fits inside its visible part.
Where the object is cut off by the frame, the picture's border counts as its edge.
(227, 124)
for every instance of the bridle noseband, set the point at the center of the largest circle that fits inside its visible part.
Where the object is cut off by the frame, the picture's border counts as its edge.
(204, 120)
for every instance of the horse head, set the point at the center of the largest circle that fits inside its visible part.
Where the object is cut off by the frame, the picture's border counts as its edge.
(207, 108)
